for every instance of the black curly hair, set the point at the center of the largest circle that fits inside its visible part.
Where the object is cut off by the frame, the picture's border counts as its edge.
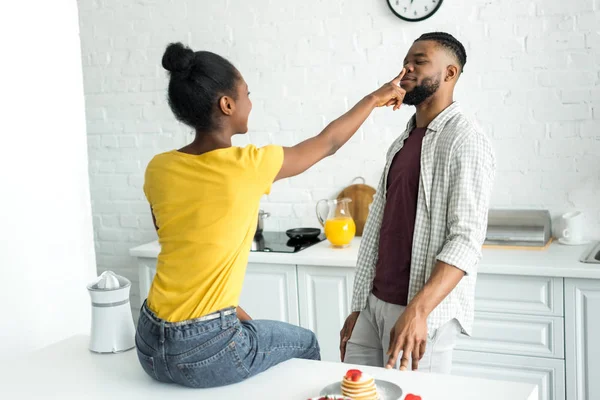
(450, 43)
(197, 80)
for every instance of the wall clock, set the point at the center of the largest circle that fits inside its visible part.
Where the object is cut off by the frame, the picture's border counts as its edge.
(414, 10)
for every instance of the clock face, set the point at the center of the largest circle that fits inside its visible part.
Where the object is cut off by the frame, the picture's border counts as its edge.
(414, 10)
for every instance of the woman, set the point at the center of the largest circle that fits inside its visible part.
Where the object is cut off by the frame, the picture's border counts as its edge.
(204, 199)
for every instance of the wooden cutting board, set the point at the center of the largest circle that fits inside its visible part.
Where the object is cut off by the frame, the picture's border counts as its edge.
(362, 196)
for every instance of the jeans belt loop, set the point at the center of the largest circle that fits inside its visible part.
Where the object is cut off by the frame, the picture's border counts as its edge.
(162, 332)
(222, 316)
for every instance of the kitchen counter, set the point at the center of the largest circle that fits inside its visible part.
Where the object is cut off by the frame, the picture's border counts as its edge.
(67, 370)
(536, 310)
(555, 261)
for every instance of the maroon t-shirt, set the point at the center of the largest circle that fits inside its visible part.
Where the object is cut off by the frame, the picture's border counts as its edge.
(392, 273)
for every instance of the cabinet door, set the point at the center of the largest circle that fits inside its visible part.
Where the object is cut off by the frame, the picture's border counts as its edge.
(324, 295)
(530, 295)
(270, 292)
(520, 335)
(582, 324)
(548, 374)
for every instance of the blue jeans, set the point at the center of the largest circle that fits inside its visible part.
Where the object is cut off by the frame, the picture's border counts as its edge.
(218, 352)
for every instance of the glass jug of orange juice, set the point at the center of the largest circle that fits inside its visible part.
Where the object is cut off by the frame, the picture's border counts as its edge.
(339, 225)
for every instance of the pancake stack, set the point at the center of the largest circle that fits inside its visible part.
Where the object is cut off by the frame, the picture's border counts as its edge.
(359, 386)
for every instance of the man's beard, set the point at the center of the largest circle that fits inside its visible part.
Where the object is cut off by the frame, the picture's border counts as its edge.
(422, 92)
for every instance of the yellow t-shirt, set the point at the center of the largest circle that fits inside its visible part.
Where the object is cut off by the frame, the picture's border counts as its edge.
(206, 209)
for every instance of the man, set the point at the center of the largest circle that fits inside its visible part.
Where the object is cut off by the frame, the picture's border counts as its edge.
(417, 263)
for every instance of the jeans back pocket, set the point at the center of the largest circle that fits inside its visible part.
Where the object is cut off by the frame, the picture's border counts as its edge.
(223, 368)
(147, 364)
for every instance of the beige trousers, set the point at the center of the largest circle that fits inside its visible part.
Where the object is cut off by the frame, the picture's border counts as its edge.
(370, 339)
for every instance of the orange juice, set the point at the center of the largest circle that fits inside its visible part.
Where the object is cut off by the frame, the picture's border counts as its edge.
(340, 230)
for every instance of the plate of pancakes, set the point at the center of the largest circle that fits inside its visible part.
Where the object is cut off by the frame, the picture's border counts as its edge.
(358, 385)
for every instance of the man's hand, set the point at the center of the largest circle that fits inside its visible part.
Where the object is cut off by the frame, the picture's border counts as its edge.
(346, 333)
(409, 336)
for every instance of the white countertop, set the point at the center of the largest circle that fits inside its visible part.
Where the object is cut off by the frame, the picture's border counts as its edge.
(67, 370)
(557, 260)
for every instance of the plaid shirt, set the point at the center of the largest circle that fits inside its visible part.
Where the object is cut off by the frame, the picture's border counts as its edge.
(457, 174)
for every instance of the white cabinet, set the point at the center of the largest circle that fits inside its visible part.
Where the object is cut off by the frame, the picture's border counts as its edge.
(324, 295)
(531, 295)
(547, 374)
(582, 322)
(518, 333)
(503, 333)
(270, 292)
(146, 272)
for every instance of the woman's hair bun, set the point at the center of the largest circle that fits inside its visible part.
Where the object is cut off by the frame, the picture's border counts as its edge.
(177, 58)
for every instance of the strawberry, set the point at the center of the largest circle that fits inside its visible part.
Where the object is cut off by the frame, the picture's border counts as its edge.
(353, 375)
(411, 396)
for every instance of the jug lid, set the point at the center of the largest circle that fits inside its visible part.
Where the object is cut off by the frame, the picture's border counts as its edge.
(108, 280)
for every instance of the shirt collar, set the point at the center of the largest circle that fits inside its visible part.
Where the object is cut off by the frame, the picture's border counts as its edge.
(439, 121)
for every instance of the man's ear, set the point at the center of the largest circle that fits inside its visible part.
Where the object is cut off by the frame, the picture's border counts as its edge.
(451, 73)
(226, 105)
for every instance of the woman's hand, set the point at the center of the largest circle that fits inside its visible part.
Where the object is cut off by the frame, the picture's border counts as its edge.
(391, 93)
(241, 314)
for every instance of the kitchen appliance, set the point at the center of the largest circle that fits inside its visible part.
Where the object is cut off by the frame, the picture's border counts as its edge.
(518, 228)
(279, 242)
(262, 215)
(592, 254)
(112, 323)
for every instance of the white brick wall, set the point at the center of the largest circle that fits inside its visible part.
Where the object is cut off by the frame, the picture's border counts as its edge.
(531, 81)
